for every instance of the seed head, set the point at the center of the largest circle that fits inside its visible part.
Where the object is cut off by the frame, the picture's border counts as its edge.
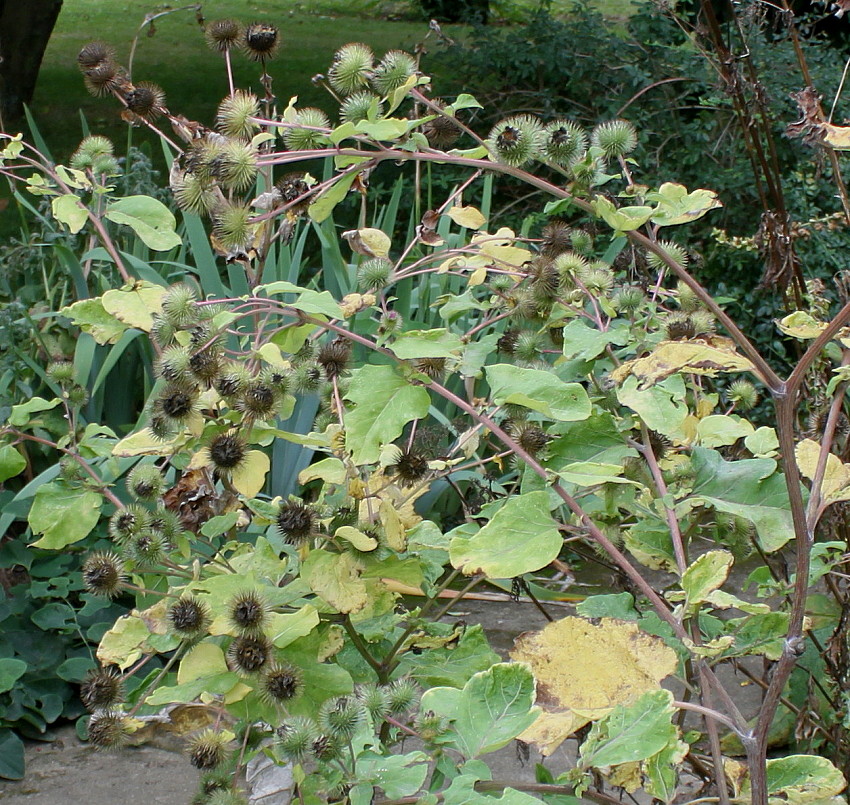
(442, 132)
(239, 166)
(146, 549)
(582, 241)
(292, 186)
(326, 747)
(351, 68)
(102, 688)
(507, 342)
(679, 327)
(227, 452)
(227, 796)
(161, 426)
(249, 653)
(392, 71)
(145, 482)
(261, 41)
(616, 138)
(232, 381)
(176, 402)
(61, 372)
(166, 523)
(555, 238)
(91, 150)
(531, 438)
(195, 195)
(401, 695)
(687, 299)
(280, 683)
(306, 378)
(108, 729)
(743, 395)
(295, 738)
(356, 107)
(333, 357)
(341, 716)
(103, 78)
(205, 364)
(234, 115)
(430, 726)
(296, 522)
(232, 225)
(374, 273)
(93, 53)
(179, 305)
(247, 611)
(411, 466)
(207, 749)
(516, 140)
(189, 616)
(673, 250)
(628, 300)
(563, 142)
(223, 35)
(434, 368)
(127, 522)
(173, 364)
(258, 400)
(374, 700)
(146, 100)
(305, 135)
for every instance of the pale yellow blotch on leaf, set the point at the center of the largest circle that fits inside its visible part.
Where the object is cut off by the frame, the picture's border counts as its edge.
(250, 476)
(361, 541)
(205, 659)
(836, 477)
(478, 277)
(123, 644)
(704, 357)
(144, 443)
(135, 305)
(583, 670)
(468, 217)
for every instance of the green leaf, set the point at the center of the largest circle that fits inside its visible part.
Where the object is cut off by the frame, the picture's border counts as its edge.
(452, 666)
(11, 670)
(749, 488)
(385, 402)
(63, 515)
(69, 210)
(622, 219)
(538, 390)
(387, 129)
(91, 317)
(149, 218)
(650, 543)
(398, 775)
(12, 763)
(677, 206)
(630, 732)
(12, 463)
(314, 302)
(74, 669)
(438, 343)
(22, 413)
(521, 537)
(660, 406)
(323, 206)
(721, 430)
(705, 575)
(285, 628)
(462, 792)
(493, 707)
(803, 778)
(464, 101)
(612, 605)
(587, 343)
(763, 443)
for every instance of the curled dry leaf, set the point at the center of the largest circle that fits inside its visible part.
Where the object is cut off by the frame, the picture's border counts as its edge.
(584, 669)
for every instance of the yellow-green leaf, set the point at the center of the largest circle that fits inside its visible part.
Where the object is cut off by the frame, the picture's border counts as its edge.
(469, 217)
(361, 541)
(677, 206)
(250, 476)
(68, 210)
(136, 304)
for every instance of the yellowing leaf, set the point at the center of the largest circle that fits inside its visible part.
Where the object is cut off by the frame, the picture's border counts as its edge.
(836, 477)
(468, 217)
(335, 578)
(68, 210)
(801, 324)
(393, 527)
(205, 659)
(575, 685)
(704, 357)
(369, 242)
(622, 219)
(250, 476)
(144, 443)
(837, 137)
(135, 304)
(361, 541)
(353, 303)
(123, 644)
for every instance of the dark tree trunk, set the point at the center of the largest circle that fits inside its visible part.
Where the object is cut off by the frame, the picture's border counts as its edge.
(25, 28)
